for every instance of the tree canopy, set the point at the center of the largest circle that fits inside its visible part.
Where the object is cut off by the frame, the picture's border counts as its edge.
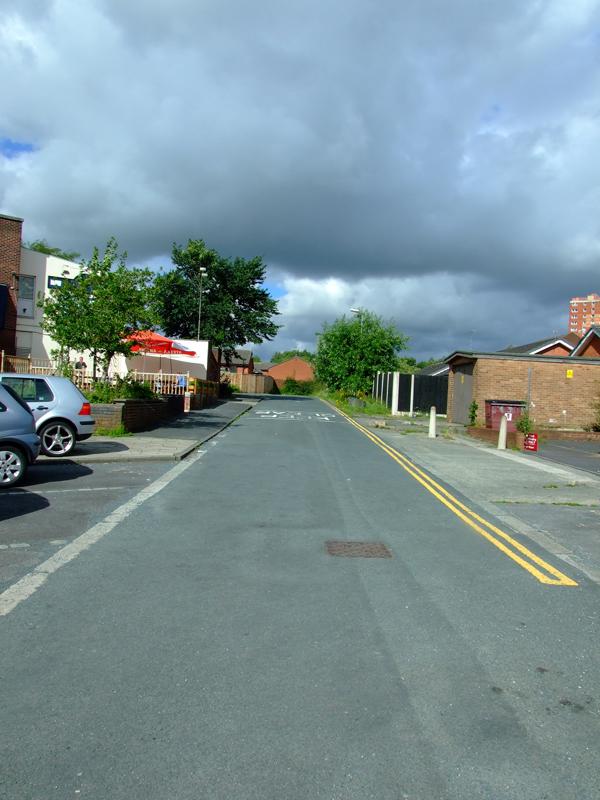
(42, 246)
(285, 355)
(236, 308)
(352, 350)
(98, 308)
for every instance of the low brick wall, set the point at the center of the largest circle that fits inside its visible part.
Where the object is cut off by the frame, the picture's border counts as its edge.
(136, 415)
(488, 435)
(108, 415)
(582, 436)
(549, 434)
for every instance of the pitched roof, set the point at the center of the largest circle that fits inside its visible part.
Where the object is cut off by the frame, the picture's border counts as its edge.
(569, 340)
(434, 369)
(581, 345)
(239, 359)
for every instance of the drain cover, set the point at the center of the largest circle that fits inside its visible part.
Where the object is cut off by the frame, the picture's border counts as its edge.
(358, 549)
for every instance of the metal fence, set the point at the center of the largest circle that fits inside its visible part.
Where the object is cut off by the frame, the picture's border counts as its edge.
(403, 393)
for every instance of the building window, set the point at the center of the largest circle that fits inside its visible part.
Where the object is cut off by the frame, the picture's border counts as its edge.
(26, 296)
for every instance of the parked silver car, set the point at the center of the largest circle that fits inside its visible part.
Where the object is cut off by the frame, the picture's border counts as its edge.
(62, 414)
(19, 443)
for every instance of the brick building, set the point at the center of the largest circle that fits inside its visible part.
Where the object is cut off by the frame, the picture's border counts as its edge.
(561, 389)
(583, 313)
(10, 268)
(551, 346)
(297, 368)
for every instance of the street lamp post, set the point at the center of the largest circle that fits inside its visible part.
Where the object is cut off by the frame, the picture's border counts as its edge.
(358, 312)
(202, 274)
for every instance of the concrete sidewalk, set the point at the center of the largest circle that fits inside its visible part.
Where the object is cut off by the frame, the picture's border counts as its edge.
(169, 442)
(557, 506)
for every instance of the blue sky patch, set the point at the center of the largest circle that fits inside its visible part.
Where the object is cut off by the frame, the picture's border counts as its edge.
(11, 149)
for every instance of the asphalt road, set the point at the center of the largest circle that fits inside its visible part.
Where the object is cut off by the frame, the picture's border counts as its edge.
(200, 642)
(578, 454)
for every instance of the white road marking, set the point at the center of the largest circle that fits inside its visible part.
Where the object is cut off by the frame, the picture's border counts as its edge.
(293, 416)
(30, 491)
(30, 583)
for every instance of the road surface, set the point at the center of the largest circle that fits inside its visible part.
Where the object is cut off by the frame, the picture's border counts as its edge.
(201, 642)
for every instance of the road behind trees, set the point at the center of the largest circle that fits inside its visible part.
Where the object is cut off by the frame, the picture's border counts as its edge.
(206, 645)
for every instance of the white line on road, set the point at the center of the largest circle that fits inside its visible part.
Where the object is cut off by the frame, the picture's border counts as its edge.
(31, 490)
(31, 582)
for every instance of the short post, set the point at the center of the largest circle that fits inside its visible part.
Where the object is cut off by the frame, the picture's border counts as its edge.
(502, 432)
(411, 410)
(432, 421)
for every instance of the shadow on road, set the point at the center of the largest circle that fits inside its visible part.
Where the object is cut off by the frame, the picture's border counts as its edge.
(50, 471)
(18, 501)
(22, 499)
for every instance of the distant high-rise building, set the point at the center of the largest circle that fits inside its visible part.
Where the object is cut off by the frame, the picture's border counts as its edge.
(583, 313)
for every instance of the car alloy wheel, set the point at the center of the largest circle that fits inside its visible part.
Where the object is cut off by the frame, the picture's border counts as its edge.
(58, 439)
(12, 465)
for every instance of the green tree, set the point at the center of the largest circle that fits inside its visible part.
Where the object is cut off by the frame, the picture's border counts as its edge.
(235, 307)
(284, 355)
(42, 246)
(103, 304)
(352, 350)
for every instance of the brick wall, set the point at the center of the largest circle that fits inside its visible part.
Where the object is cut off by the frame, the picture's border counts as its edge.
(10, 261)
(296, 368)
(593, 348)
(136, 415)
(556, 400)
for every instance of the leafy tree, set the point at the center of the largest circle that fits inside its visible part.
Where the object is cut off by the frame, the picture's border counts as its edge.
(235, 307)
(352, 350)
(42, 246)
(284, 355)
(97, 309)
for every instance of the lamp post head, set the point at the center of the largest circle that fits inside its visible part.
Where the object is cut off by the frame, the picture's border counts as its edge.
(355, 310)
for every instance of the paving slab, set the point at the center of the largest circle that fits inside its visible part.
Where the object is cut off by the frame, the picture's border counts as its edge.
(171, 441)
(556, 505)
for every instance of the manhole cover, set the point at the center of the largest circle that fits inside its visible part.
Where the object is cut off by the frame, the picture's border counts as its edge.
(358, 549)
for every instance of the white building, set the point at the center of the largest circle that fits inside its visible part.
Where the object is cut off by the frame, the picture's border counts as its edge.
(39, 273)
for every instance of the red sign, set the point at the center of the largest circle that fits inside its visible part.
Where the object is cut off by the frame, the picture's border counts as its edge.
(531, 442)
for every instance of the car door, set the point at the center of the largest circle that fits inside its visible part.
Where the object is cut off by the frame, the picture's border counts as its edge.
(36, 393)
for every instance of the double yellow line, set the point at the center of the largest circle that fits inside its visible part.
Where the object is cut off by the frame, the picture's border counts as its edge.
(536, 566)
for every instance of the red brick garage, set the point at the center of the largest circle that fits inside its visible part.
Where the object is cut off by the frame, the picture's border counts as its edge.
(563, 389)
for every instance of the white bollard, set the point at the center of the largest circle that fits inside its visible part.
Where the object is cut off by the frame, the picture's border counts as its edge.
(502, 433)
(432, 422)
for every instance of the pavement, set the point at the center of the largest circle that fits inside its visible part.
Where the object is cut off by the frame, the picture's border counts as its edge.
(555, 504)
(170, 441)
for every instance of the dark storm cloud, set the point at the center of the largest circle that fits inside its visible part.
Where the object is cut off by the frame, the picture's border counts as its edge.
(369, 141)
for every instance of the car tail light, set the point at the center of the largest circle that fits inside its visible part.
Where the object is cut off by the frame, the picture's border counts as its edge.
(86, 410)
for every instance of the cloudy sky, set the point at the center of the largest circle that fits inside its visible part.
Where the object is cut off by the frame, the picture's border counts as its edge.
(436, 162)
